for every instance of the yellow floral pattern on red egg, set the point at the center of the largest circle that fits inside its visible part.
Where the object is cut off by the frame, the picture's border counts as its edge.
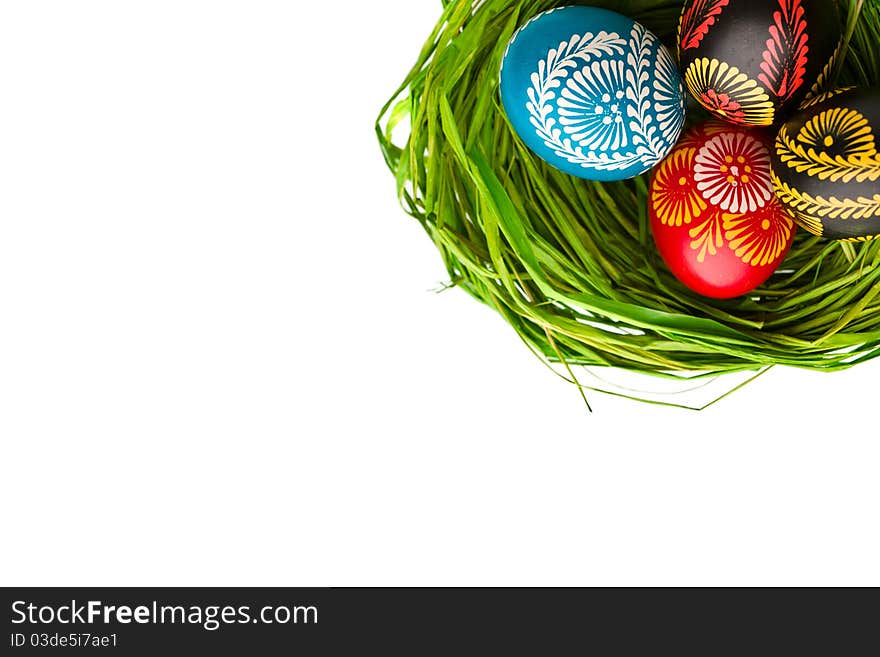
(759, 238)
(719, 186)
(707, 238)
(674, 198)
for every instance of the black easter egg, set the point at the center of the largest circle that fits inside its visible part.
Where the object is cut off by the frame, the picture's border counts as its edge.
(751, 61)
(826, 165)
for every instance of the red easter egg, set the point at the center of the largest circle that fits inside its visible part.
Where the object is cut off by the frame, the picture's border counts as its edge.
(715, 218)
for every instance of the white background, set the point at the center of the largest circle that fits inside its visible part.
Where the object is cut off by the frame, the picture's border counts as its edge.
(222, 360)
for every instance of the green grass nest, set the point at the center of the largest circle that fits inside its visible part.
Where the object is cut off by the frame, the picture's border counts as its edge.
(571, 264)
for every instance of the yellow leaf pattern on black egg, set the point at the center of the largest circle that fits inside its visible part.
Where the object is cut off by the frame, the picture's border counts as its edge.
(729, 93)
(821, 98)
(830, 208)
(860, 165)
(841, 129)
(863, 238)
(808, 223)
(786, 196)
(818, 88)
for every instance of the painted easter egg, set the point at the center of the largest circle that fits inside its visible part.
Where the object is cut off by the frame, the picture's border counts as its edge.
(715, 219)
(752, 61)
(826, 166)
(592, 92)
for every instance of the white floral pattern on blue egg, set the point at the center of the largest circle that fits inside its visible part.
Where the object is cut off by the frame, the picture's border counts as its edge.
(593, 93)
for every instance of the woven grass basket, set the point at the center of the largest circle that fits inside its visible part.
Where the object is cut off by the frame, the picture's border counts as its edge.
(571, 264)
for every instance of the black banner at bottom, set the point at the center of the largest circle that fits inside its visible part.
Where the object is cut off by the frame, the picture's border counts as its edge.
(290, 621)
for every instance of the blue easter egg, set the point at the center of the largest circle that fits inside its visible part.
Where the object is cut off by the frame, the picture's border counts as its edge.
(592, 92)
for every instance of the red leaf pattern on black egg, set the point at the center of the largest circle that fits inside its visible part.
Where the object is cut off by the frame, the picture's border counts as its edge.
(697, 20)
(785, 60)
